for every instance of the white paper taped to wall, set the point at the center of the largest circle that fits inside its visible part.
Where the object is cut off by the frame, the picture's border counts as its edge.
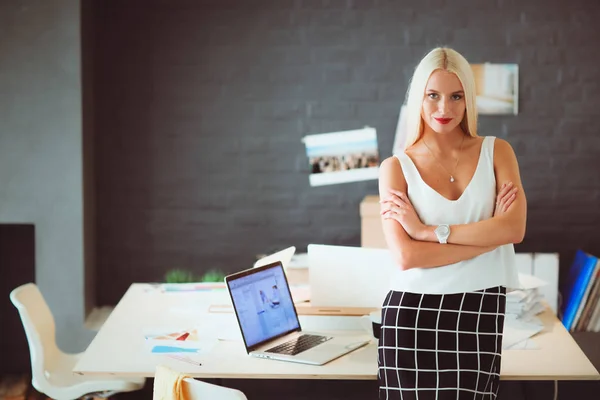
(401, 132)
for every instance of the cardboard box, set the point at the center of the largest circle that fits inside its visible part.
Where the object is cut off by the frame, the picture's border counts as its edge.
(371, 232)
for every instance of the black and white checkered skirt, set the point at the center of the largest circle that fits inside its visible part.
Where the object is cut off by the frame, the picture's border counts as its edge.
(435, 346)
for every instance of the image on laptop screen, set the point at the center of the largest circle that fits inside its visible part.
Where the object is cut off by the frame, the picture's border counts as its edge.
(263, 305)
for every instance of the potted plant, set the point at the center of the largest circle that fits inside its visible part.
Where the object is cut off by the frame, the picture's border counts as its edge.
(178, 275)
(213, 275)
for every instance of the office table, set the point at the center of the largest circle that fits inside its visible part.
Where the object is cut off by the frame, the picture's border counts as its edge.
(120, 349)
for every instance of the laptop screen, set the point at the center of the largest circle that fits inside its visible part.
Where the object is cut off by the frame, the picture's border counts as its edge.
(263, 304)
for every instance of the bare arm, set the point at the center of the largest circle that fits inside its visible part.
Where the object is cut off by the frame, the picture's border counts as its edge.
(509, 227)
(411, 253)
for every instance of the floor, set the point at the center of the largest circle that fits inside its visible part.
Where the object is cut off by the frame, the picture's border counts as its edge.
(18, 387)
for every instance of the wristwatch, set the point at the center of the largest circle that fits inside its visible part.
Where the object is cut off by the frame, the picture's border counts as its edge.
(442, 232)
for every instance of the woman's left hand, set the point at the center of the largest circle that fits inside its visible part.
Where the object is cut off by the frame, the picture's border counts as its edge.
(397, 206)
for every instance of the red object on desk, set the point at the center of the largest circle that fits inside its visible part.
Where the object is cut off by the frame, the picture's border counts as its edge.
(184, 336)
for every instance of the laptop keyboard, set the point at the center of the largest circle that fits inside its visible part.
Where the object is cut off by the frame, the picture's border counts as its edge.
(298, 345)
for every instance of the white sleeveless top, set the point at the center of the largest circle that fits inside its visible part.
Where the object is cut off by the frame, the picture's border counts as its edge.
(494, 268)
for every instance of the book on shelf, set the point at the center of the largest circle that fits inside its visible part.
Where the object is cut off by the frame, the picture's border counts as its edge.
(594, 323)
(590, 303)
(578, 286)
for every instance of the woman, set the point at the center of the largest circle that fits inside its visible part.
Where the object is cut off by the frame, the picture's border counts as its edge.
(451, 215)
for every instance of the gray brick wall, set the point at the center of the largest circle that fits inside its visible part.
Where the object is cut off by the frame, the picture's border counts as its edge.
(201, 106)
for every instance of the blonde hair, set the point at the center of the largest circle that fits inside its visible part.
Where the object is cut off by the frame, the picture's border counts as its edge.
(448, 60)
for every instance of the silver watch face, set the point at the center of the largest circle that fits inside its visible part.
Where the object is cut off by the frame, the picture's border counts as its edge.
(442, 230)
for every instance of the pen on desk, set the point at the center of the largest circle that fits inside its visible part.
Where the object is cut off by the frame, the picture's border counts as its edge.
(185, 359)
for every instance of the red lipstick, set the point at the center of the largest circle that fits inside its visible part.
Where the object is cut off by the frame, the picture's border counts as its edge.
(443, 121)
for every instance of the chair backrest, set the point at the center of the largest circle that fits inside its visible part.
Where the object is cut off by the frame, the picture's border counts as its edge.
(40, 330)
(198, 390)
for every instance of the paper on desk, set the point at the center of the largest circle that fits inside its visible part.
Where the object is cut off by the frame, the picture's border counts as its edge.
(517, 331)
(523, 296)
(192, 287)
(178, 341)
(516, 296)
(299, 260)
(200, 347)
(527, 344)
(530, 282)
(300, 293)
(525, 307)
(528, 315)
(178, 335)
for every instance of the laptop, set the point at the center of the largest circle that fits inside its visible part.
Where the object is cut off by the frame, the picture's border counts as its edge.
(362, 275)
(285, 256)
(269, 322)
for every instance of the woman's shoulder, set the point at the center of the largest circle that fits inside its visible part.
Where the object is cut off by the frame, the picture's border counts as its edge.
(391, 163)
(501, 146)
(390, 170)
(496, 140)
(503, 151)
(391, 174)
(498, 145)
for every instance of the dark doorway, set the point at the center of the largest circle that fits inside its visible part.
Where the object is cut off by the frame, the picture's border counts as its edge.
(17, 267)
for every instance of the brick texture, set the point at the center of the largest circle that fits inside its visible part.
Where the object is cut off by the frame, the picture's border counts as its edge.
(200, 107)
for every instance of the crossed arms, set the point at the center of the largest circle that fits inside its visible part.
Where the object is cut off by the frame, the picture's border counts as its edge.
(414, 245)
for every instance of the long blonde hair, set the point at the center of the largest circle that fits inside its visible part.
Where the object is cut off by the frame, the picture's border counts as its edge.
(448, 60)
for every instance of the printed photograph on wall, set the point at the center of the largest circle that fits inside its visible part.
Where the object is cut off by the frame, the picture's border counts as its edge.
(497, 87)
(340, 157)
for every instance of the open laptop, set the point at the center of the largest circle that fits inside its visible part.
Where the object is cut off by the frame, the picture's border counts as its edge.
(269, 322)
(285, 256)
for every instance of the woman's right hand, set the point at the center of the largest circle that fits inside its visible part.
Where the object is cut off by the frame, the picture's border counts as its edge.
(505, 197)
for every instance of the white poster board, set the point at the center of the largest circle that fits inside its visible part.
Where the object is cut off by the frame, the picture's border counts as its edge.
(400, 137)
(497, 88)
(340, 157)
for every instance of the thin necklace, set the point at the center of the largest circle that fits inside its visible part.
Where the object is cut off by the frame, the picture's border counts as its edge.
(442, 165)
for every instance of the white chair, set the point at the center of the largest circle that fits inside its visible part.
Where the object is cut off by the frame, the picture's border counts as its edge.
(170, 384)
(198, 390)
(51, 369)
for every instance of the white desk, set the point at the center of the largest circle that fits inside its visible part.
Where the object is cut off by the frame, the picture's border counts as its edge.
(119, 347)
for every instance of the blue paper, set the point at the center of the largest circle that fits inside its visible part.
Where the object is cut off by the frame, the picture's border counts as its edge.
(173, 349)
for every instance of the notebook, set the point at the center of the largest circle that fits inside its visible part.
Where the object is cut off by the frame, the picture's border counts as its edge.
(269, 322)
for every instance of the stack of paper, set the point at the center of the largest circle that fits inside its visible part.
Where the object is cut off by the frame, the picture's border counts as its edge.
(522, 306)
